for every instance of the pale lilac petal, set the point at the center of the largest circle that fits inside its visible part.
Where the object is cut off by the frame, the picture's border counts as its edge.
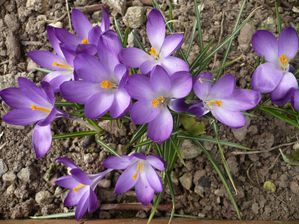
(233, 119)
(139, 87)
(67, 38)
(67, 182)
(80, 176)
(118, 163)
(265, 45)
(203, 84)
(181, 84)
(161, 127)
(120, 71)
(155, 29)
(156, 162)
(120, 104)
(56, 78)
(82, 206)
(110, 41)
(133, 57)
(160, 81)
(153, 178)
(41, 140)
(67, 162)
(105, 23)
(288, 43)
(109, 60)
(98, 104)
(295, 100)
(80, 23)
(93, 202)
(15, 98)
(144, 191)
(287, 83)
(54, 41)
(51, 117)
(69, 56)
(127, 180)
(94, 35)
(266, 78)
(143, 112)
(148, 66)
(23, 116)
(223, 87)
(74, 197)
(171, 44)
(45, 59)
(173, 64)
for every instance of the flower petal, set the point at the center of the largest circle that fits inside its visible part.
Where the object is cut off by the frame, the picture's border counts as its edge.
(133, 57)
(15, 98)
(80, 176)
(266, 78)
(223, 87)
(265, 45)
(139, 88)
(202, 85)
(80, 23)
(98, 104)
(41, 140)
(180, 65)
(67, 162)
(45, 59)
(126, 180)
(93, 202)
(105, 23)
(160, 81)
(82, 206)
(23, 116)
(54, 41)
(171, 44)
(295, 100)
(161, 127)
(181, 84)
(67, 38)
(118, 163)
(110, 41)
(148, 66)
(143, 112)
(67, 182)
(120, 104)
(56, 78)
(233, 119)
(144, 191)
(156, 162)
(155, 29)
(288, 43)
(153, 178)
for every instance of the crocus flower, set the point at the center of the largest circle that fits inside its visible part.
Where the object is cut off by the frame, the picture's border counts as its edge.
(273, 76)
(161, 48)
(86, 36)
(224, 100)
(101, 87)
(32, 105)
(154, 95)
(139, 173)
(295, 99)
(60, 62)
(81, 186)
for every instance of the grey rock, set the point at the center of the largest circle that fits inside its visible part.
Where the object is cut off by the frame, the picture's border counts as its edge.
(135, 17)
(3, 167)
(240, 133)
(105, 183)
(294, 186)
(198, 175)
(189, 150)
(9, 177)
(43, 197)
(186, 180)
(199, 190)
(10, 80)
(113, 128)
(37, 5)
(245, 36)
(118, 6)
(10, 190)
(255, 208)
(24, 174)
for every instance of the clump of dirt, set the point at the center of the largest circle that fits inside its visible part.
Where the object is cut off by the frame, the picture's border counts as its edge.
(27, 185)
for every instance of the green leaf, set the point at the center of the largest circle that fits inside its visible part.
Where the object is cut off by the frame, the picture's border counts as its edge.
(269, 186)
(75, 134)
(278, 17)
(199, 30)
(42, 70)
(138, 134)
(106, 146)
(54, 216)
(192, 125)
(292, 159)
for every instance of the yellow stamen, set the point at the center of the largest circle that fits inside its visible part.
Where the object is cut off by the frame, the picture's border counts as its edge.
(139, 168)
(84, 41)
(217, 103)
(42, 109)
(62, 65)
(106, 84)
(154, 52)
(78, 187)
(157, 101)
(284, 61)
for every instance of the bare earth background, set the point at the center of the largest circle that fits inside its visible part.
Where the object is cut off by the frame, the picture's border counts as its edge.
(27, 185)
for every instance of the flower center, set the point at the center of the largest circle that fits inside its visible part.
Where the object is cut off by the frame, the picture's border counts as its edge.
(139, 168)
(62, 65)
(157, 101)
(153, 52)
(84, 41)
(107, 84)
(78, 187)
(217, 103)
(42, 109)
(284, 61)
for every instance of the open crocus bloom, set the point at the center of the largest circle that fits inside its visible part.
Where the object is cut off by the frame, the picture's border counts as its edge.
(81, 187)
(60, 63)
(86, 37)
(101, 85)
(161, 48)
(274, 76)
(32, 105)
(223, 100)
(153, 97)
(139, 173)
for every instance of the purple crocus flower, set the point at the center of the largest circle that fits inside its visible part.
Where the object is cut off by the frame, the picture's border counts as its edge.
(161, 48)
(60, 62)
(101, 87)
(82, 187)
(154, 95)
(223, 99)
(139, 173)
(273, 76)
(32, 105)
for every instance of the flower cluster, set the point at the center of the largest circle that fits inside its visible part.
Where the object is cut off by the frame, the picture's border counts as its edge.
(93, 69)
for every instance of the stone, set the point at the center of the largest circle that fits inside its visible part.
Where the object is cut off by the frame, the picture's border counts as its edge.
(244, 38)
(294, 186)
(113, 128)
(198, 175)
(135, 17)
(240, 133)
(186, 180)
(10, 80)
(37, 5)
(189, 150)
(3, 167)
(105, 183)
(10, 190)
(9, 176)
(43, 197)
(118, 6)
(255, 208)
(24, 174)
(199, 190)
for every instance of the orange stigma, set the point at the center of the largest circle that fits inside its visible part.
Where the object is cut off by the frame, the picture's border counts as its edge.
(42, 109)
(106, 84)
(157, 101)
(78, 187)
(217, 103)
(62, 65)
(154, 52)
(284, 61)
(84, 41)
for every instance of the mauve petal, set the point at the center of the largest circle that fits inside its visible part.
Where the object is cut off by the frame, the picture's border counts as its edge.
(265, 45)
(49, 92)
(233, 119)
(55, 79)
(139, 88)
(80, 23)
(287, 82)
(80, 176)
(94, 35)
(133, 57)
(82, 206)
(181, 84)
(178, 105)
(173, 64)
(41, 140)
(202, 85)
(120, 71)
(288, 42)
(23, 116)
(156, 162)
(67, 162)
(266, 78)
(155, 29)
(45, 59)
(98, 104)
(126, 180)
(86, 49)
(74, 197)
(69, 56)
(153, 178)
(111, 41)
(15, 98)
(109, 60)
(171, 44)
(161, 127)
(105, 23)
(118, 163)
(143, 112)
(295, 100)
(160, 81)
(93, 203)
(120, 104)
(223, 87)
(144, 191)
(54, 41)
(148, 66)
(78, 91)
(68, 38)
(67, 182)
(198, 109)
(51, 117)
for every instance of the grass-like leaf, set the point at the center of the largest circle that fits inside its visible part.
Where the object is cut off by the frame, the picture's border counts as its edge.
(138, 134)
(42, 70)
(106, 146)
(54, 216)
(278, 17)
(198, 20)
(75, 134)
(191, 40)
(288, 159)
